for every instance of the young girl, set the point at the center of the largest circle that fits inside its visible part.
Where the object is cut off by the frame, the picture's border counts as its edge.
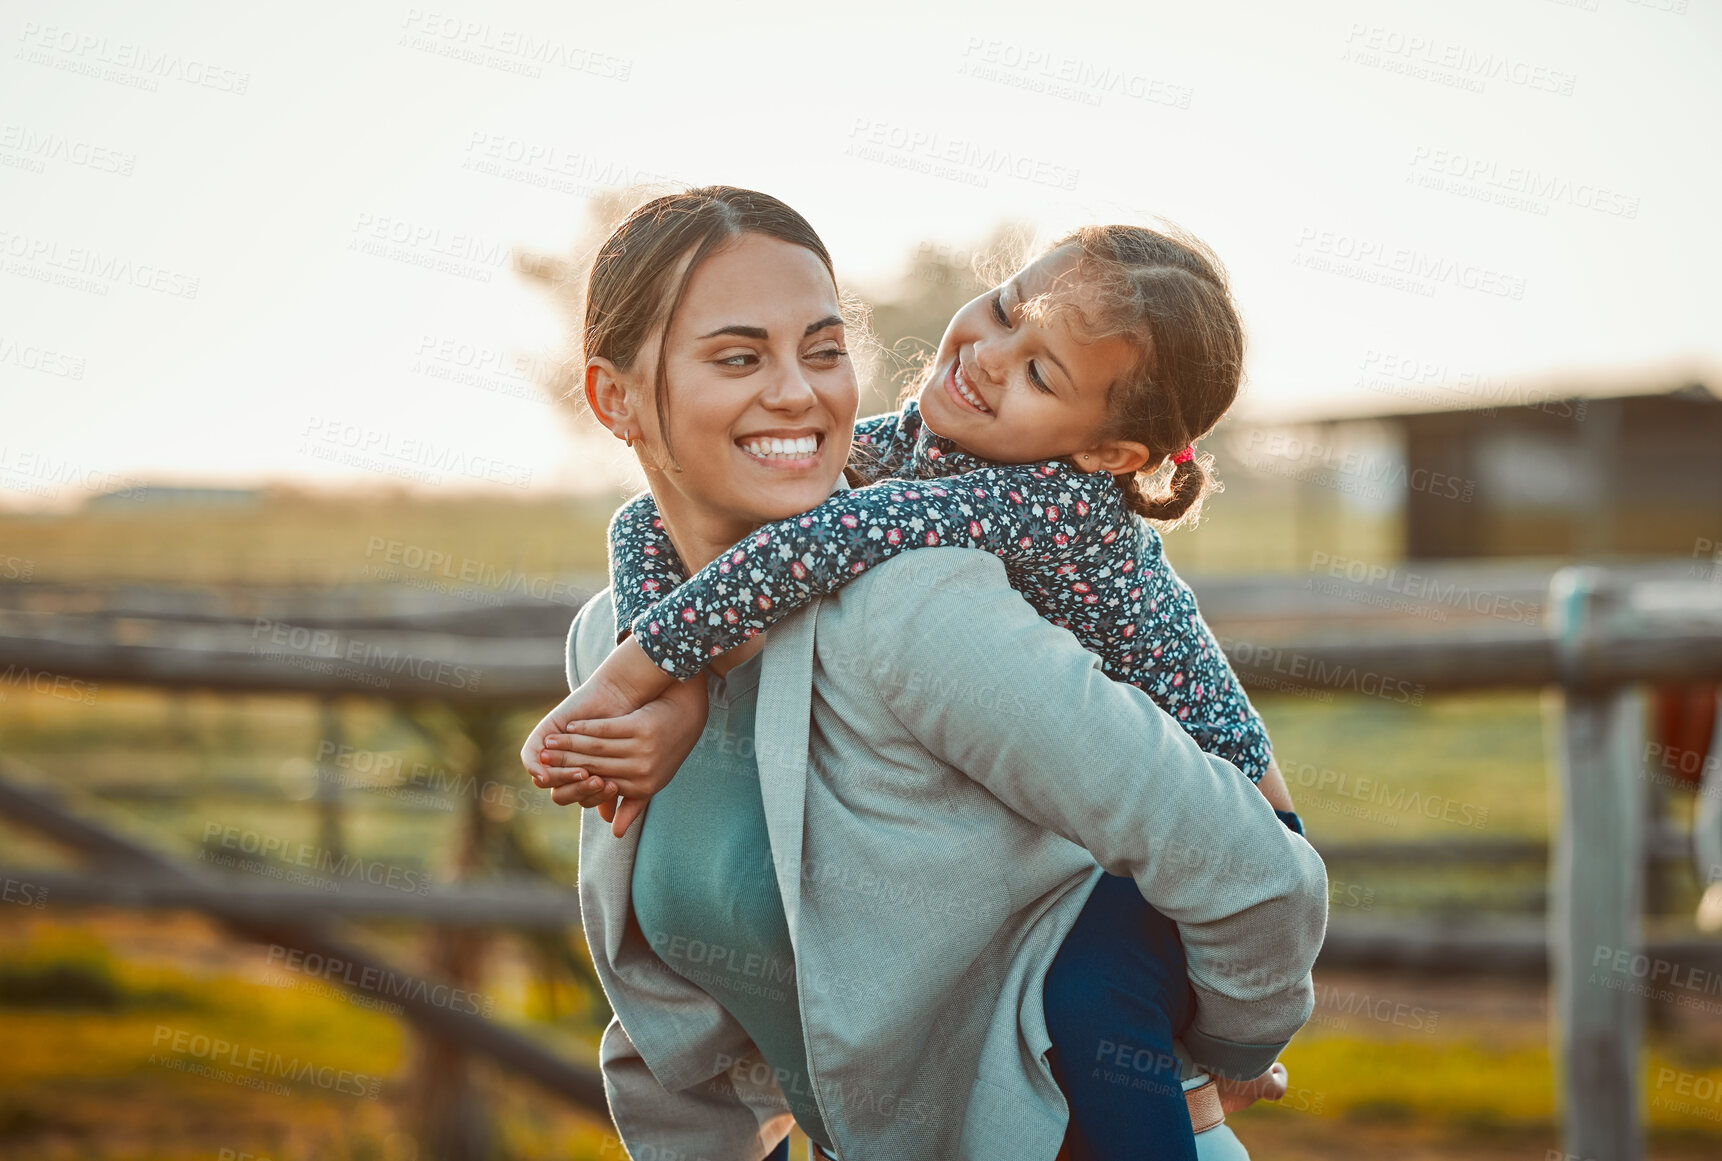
(1001, 451)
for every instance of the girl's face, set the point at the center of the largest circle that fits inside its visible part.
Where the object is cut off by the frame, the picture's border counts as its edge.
(1015, 389)
(760, 393)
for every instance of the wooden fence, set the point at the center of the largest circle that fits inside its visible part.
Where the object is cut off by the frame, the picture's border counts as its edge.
(1598, 636)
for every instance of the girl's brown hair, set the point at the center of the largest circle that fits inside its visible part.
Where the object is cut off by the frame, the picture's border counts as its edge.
(639, 276)
(1168, 293)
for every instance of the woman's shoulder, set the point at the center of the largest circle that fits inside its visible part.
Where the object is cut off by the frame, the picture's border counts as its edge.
(881, 610)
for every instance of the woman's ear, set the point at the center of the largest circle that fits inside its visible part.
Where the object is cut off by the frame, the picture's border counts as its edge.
(607, 396)
(1115, 456)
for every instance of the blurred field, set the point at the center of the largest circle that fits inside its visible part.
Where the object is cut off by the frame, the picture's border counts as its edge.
(85, 994)
(100, 1053)
(287, 537)
(294, 538)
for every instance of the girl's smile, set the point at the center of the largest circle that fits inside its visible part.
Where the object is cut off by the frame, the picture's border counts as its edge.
(957, 384)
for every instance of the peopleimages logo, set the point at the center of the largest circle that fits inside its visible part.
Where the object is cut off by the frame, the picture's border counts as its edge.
(330, 651)
(1373, 792)
(139, 66)
(1070, 78)
(336, 866)
(1429, 58)
(380, 981)
(91, 269)
(412, 457)
(257, 1067)
(506, 49)
(1313, 672)
(1425, 588)
(1281, 453)
(938, 154)
(1515, 186)
(1398, 267)
(47, 684)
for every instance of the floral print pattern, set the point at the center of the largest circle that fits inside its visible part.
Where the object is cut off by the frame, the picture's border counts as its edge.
(1069, 542)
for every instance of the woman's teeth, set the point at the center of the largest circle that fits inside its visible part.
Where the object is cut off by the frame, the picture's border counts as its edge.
(963, 390)
(783, 449)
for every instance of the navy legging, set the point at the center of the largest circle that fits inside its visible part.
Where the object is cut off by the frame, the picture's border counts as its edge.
(1116, 995)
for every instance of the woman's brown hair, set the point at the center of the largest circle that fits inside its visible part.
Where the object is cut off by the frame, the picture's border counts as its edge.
(639, 277)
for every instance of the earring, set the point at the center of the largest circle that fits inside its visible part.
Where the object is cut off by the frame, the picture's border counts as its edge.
(629, 436)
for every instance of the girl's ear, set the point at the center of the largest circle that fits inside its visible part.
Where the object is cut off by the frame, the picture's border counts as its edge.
(607, 396)
(1114, 456)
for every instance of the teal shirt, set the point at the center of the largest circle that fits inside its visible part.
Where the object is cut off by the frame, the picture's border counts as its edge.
(705, 889)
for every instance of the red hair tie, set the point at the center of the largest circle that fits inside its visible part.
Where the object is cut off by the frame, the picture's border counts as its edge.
(1185, 456)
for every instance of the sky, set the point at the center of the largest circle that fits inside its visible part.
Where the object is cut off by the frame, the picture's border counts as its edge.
(242, 245)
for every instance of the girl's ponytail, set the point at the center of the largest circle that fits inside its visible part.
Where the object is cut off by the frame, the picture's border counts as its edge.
(1180, 503)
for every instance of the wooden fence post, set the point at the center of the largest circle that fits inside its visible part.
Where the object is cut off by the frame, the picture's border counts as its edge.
(1707, 831)
(328, 794)
(1596, 882)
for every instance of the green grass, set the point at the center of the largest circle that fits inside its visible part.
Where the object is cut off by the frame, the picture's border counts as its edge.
(1454, 767)
(83, 1079)
(159, 1068)
(1490, 1076)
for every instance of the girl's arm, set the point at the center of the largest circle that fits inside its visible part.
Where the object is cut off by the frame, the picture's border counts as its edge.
(1020, 513)
(1192, 679)
(644, 565)
(1188, 675)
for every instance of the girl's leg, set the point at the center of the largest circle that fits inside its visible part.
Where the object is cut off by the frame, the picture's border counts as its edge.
(1116, 994)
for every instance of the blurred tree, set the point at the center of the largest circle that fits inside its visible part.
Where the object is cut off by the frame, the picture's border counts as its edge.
(939, 280)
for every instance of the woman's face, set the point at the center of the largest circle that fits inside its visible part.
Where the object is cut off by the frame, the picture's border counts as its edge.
(759, 390)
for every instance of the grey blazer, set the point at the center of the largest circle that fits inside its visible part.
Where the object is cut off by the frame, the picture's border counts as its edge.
(945, 775)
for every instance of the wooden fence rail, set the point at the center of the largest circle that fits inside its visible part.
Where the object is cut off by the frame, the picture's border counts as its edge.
(305, 931)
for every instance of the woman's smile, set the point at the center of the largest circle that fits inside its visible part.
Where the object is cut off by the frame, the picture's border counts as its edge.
(783, 449)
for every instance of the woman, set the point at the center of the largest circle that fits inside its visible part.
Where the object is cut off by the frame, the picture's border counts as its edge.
(850, 919)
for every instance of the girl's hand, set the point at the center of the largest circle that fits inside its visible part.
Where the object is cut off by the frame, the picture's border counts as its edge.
(1274, 789)
(628, 680)
(632, 756)
(1241, 1094)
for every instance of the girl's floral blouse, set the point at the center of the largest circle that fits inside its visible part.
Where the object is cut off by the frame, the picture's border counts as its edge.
(1069, 543)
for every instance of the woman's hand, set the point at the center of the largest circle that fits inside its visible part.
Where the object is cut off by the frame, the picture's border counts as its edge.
(593, 762)
(625, 681)
(1241, 1094)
